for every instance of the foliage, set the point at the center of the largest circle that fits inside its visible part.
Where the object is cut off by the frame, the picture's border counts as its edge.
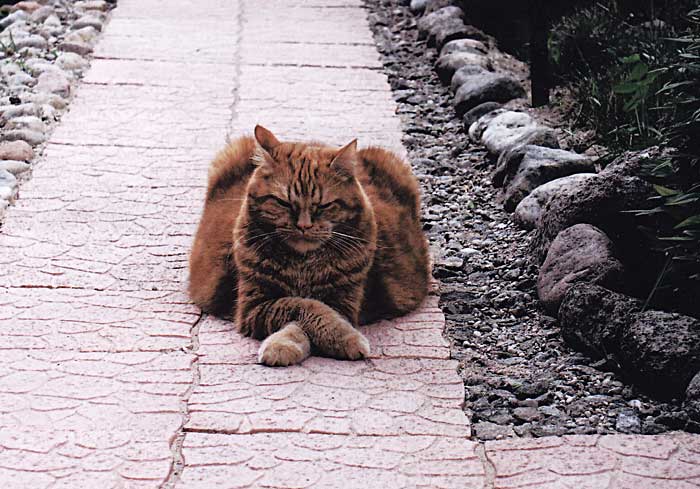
(636, 81)
(677, 178)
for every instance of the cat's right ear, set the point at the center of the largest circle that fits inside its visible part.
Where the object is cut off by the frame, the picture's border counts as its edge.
(265, 139)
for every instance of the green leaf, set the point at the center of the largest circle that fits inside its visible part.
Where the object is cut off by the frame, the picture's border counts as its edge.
(691, 221)
(626, 87)
(639, 71)
(665, 191)
(628, 60)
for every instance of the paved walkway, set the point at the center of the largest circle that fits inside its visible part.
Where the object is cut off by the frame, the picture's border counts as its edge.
(110, 378)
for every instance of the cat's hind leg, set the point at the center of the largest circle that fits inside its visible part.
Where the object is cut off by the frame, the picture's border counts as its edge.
(288, 346)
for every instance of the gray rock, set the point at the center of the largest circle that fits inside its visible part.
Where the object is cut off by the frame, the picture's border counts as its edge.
(660, 352)
(21, 79)
(77, 47)
(85, 34)
(32, 137)
(529, 210)
(10, 111)
(99, 5)
(509, 130)
(489, 87)
(53, 25)
(464, 73)
(88, 21)
(527, 414)
(464, 46)
(479, 111)
(32, 41)
(40, 15)
(7, 179)
(19, 15)
(522, 169)
(581, 253)
(476, 130)
(7, 193)
(486, 430)
(447, 65)
(600, 202)
(451, 29)
(692, 398)
(53, 82)
(591, 318)
(628, 422)
(428, 22)
(420, 7)
(14, 167)
(30, 122)
(71, 62)
(16, 150)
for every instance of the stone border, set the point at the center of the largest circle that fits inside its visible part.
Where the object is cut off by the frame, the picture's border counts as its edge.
(44, 53)
(583, 239)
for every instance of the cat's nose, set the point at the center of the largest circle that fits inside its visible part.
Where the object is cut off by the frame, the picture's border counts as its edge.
(304, 222)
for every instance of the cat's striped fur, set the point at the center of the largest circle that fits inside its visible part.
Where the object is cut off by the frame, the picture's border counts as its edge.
(301, 242)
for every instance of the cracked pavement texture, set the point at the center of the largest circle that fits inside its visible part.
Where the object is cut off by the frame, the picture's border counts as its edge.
(109, 377)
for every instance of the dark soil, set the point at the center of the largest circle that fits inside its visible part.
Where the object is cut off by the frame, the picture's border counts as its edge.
(521, 379)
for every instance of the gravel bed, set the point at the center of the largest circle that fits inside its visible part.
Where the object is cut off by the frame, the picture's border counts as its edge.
(44, 50)
(520, 377)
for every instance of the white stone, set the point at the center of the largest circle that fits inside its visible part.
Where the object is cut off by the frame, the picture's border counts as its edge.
(88, 21)
(71, 61)
(85, 34)
(529, 210)
(32, 41)
(21, 79)
(54, 82)
(27, 122)
(7, 193)
(42, 14)
(14, 167)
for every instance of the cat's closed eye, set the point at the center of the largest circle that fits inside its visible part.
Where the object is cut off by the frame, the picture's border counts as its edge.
(329, 206)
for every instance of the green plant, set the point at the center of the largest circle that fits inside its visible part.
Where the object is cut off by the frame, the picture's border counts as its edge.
(676, 178)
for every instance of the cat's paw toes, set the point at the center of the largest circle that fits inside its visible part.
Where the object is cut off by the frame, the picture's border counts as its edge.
(281, 350)
(356, 346)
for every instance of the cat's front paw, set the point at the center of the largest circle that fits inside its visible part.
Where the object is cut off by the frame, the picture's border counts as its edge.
(288, 346)
(355, 346)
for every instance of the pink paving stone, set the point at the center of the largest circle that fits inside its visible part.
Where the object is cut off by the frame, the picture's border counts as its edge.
(307, 460)
(615, 461)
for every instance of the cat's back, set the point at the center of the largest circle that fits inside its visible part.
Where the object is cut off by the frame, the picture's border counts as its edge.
(388, 180)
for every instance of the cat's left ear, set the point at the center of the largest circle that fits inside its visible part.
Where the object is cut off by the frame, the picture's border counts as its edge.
(346, 159)
(265, 138)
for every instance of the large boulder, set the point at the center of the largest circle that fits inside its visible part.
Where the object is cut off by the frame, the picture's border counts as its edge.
(660, 352)
(591, 318)
(505, 133)
(448, 64)
(602, 202)
(450, 29)
(464, 46)
(476, 130)
(461, 76)
(488, 87)
(522, 169)
(418, 7)
(581, 253)
(429, 22)
(529, 210)
(478, 112)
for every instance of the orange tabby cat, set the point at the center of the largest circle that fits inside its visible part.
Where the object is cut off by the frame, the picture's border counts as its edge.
(302, 242)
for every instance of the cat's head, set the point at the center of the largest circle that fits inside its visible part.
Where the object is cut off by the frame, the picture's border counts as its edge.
(307, 195)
